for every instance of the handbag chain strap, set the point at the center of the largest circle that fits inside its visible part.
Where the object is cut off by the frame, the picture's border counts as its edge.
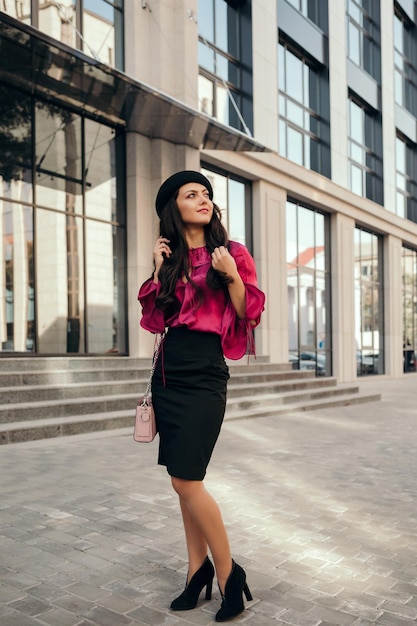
(154, 361)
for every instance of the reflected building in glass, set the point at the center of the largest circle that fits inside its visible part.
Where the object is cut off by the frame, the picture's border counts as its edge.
(303, 118)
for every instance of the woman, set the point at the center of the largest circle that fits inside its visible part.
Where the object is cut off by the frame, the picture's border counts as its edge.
(203, 289)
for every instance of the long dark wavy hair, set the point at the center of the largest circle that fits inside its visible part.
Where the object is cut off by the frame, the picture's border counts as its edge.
(176, 266)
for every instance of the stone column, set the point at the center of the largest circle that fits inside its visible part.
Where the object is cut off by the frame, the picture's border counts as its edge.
(269, 206)
(343, 297)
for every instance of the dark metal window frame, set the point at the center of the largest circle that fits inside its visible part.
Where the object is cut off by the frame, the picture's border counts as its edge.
(248, 199)
(117, 5)
(328, 350)
(372, 182)
(409, 332)
(362, 368)
(323, 143)
(407, 71)
(369, 33)
(410, 176)
(238, 91)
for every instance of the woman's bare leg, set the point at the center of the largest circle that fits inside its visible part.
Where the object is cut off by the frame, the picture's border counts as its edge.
(196, 542)
(204, 524)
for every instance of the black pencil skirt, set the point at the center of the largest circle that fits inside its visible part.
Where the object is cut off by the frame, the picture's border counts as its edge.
(189, 396)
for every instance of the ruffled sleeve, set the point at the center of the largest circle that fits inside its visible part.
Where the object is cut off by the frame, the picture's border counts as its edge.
(152, 317)
(237, 334)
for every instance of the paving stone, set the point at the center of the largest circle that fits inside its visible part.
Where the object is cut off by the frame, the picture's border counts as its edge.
(320, 509)
(29, 605)
(59, 617)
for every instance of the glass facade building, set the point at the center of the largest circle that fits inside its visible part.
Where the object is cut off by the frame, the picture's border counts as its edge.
(302, 113)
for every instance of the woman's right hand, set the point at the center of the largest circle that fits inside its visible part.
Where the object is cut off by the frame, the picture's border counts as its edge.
(160, 252)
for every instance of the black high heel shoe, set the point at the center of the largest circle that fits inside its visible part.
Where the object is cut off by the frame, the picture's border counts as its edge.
(232, 600)
(189, 597)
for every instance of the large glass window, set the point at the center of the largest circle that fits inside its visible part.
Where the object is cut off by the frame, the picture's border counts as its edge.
(62, 238)
(16, 223)
(363, 20)
(308, 288)
(409, 272)
(406, 179)
(405, 72)
(20, 9)
(314, 10)
(93, 26)
(233, 198)
(225, 60)
(365, 151)
(303, 101)
(369, 313)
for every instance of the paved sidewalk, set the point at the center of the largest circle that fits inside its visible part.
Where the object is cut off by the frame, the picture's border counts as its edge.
(321, 508)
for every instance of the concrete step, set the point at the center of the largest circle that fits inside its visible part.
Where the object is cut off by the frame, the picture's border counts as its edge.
(26, 380)
(36, 364)
(22, 403)
(58, 396)
(309, 405)
(304, 396)
(81, 424)
(293, 384)
(50, 364)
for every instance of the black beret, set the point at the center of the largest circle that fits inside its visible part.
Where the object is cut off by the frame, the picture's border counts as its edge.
(174, 182)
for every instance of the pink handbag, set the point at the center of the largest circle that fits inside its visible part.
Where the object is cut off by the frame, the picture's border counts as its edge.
(145, 424)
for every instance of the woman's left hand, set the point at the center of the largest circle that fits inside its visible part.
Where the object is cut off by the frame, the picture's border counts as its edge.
(222, 261)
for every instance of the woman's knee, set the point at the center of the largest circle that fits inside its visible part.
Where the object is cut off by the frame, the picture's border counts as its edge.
(185, 488)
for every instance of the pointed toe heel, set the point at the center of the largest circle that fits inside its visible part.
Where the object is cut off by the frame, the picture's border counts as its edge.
(232, 599)
(189, 597)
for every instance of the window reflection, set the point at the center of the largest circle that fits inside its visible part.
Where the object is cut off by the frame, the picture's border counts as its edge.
(99, 20)
(368, 303)
(303, 93)
(237, 216)
(16, 279)
(409, 280)
(225, 62)
(16, 145)
(365, 151)
(66, 199)
(16, 223)
(308, 287)
(364, 36)
(60, 283)
(405, 72)
(205, 95)
(94, 26)
(59, 20)
(102, 301)
(100, 171)
(406, 180)
(58, 156)
(20, 9)
(230, 195)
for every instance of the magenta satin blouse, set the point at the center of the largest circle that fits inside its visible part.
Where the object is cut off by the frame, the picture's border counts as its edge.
(216, 313)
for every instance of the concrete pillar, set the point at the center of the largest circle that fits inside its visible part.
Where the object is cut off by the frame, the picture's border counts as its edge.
(343, 305)
(388, 109)
(161, 46)
(269, 206)
(338, 93)
(265, 74)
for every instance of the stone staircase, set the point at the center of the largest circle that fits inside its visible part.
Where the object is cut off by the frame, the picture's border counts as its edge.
(52, 397)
